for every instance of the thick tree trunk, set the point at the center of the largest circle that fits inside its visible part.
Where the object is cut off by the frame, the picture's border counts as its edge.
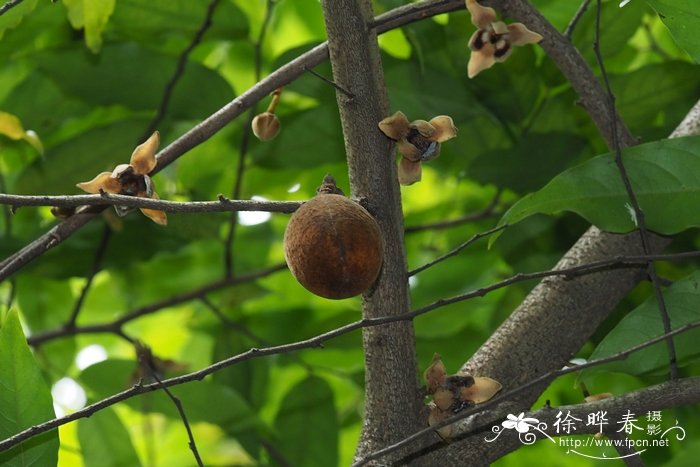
(392, 399)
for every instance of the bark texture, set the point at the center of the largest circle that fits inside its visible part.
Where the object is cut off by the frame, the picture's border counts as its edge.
(392, 398)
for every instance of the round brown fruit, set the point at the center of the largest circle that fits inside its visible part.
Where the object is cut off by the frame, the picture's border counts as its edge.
(333, 246)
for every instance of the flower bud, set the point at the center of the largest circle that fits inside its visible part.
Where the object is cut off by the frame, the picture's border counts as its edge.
(266, 126)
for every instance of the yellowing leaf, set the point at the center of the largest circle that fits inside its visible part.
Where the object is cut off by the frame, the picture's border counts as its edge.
(92, 15)
(11, 126)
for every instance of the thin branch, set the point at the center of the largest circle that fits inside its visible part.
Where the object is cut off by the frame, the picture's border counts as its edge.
(106, 199)
(486, 213)
(245, 143)
(638, 213)
(504, 397)
(96, 266)
(8, 5)
(180, 409)
(331, 83)
(180, 70)
(576, 18)
(115, 327)
(315, 342)
(456, 250)
(207, 128)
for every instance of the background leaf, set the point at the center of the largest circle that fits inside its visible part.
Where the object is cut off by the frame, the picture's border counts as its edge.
(308, 420)
(683, 19)
(25, 400)
(644, 323)
(664, 177)
(105, 441)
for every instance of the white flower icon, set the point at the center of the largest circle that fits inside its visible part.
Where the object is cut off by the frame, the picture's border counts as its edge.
(521, 423)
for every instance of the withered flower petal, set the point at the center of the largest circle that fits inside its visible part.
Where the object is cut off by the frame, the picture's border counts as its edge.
(481, 60)
(444, 128)
(103, 181)
(425, 129)
(143, 159)
(157, 216)
(519, 34)
(482, 16)
(409, 150)
(395, 126)
(409, 172)
(482, 390)
(435, 373)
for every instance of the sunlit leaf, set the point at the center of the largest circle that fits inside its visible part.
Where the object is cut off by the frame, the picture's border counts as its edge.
(25, 400)
(105, 441)
(15, 15)
(682, 19)
(92, 16)
(644, 323)
(664, 178)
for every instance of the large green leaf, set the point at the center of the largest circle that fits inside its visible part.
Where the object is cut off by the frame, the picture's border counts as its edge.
(158, 19)
(202, 400)
(682, 18)
(14, 16)
(531, 163)
(131, 75)
(644, 323)
(104, 441)
(664, 175)
(25, 400)
(307, 424)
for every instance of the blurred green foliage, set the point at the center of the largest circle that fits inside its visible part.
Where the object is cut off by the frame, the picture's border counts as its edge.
(89, 95)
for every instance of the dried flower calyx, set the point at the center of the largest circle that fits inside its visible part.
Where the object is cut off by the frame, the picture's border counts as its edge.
(452, 394)
(494, 40)
(132, 179)
(266, 125)
(417, 141)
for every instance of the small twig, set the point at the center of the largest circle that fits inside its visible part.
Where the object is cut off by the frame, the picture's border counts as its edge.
(313, 342)
(330, 82)
(245, 142)
(456, 251)
(622, 262)
(487, 212)
(480, 408)
(116, 326)
(638, 213)
(180, 70)
(96, 266)
(8, 5)
(568, 32)
(178, 404)
(223, 204)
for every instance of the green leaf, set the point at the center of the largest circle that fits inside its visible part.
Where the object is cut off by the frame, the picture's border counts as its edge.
(663, 175)
(105, 441)
(531, 163)
(203, 401)
(11, 127)
(25, 400)
(131, 75)
(683, 20)
(92, 15)
(644, 323)
(14, 16)
(306, 139)
(158, 19)
(307, 424)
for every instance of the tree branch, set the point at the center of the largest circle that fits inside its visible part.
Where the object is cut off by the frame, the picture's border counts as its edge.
(391, 372)
(215, 122)
(8, 5)
(110, 199)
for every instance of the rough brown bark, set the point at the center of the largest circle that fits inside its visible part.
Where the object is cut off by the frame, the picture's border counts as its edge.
(392, 399)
